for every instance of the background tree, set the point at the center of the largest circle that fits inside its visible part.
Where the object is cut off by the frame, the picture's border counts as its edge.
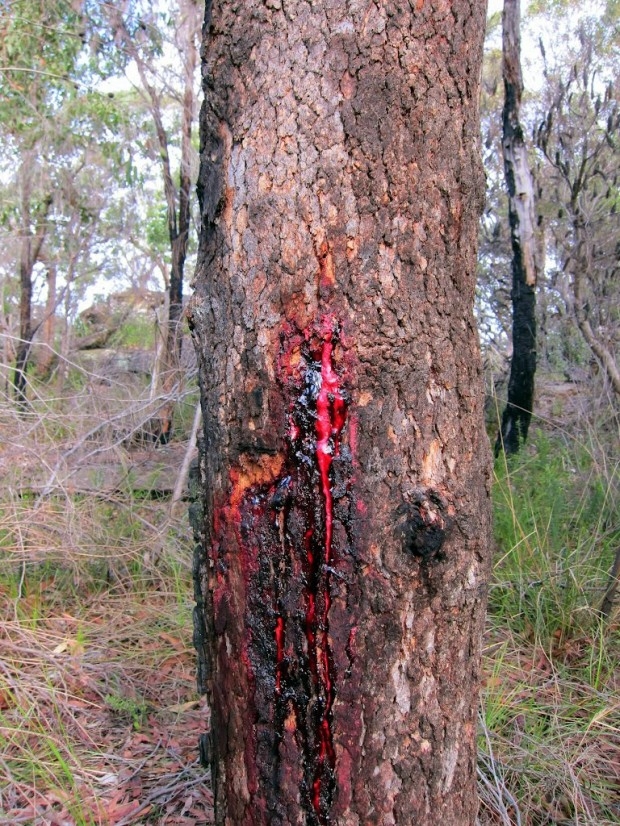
(525, 264)
(493, 307)
(579, 136)
(37, 61)
(60, 60)
(53, 123)
(138, 33)
(341, 572)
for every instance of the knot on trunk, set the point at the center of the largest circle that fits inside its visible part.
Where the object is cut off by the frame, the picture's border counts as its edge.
(423, 523)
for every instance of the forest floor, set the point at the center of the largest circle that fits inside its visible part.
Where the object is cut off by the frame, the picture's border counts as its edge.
(99, 715)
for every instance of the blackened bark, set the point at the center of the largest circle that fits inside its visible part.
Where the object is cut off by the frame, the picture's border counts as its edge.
(344, 547)
(179, 232)
(518, 411)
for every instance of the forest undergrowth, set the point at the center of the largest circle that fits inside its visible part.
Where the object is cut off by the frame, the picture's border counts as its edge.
(99, 715)
(549, 746)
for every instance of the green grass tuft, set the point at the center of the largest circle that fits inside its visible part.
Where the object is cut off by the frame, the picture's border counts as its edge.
(550, 720)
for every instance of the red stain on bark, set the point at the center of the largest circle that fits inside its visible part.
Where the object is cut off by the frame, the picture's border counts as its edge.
(288, 516)
(331, 414)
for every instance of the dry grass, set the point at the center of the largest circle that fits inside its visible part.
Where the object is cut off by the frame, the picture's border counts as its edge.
(99, 716)
(550, 747)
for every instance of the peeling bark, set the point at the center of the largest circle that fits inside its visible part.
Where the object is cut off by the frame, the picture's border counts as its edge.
(525, 264)
(344, 527)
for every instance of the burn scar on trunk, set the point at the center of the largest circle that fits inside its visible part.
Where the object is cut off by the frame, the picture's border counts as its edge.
(292, 532)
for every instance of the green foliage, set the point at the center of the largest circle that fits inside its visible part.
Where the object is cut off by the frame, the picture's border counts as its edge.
(39, 48)
(133, 708)
(136, 331)
(494, 22)
(561, 7)
(552, 508)
(156, 227)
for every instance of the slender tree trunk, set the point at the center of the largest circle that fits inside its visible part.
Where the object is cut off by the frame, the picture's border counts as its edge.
(344, 545)
(583, 265)
(179, 228)
(525, 266)
(22, 353)
(66, 337)
(47, 356)
(7, 336)
(180, 236)
(32, 238)
(178, 205)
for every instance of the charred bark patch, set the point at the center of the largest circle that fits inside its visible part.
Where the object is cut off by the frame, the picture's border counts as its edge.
(292, 523)
(525, 258)
(423, 524)
(196, 516)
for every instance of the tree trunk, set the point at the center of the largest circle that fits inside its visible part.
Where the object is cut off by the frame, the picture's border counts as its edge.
(178, 206)
(179, 231)
(22, 353)
(344, 549)
(525, 266)
(48, 352)
(179, 224)
(30, 249)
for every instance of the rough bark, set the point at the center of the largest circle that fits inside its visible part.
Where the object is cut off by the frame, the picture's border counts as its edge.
(525, 266)
(344, 535)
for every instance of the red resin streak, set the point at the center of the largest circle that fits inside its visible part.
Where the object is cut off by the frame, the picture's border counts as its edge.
(331, 412)
(279, 652)
(317, 419)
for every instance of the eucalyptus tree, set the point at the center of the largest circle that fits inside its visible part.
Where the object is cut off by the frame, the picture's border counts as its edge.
(523, 233)
(160, 49)
(579, 136)
(344, 548)
(51, 117)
